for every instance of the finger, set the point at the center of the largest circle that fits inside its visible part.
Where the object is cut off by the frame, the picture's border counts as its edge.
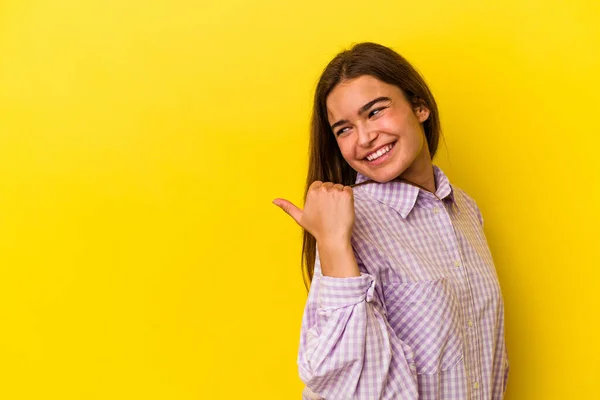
(289, 208)
(338, 186)
(315, 185)
(327, 185)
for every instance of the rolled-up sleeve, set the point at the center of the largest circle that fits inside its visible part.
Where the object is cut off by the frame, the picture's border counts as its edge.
(347, 348)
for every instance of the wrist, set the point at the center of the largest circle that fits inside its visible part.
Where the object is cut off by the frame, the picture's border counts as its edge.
(334, 244)
(337, 259)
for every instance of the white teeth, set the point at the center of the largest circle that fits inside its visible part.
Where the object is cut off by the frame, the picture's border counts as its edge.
(379, 153)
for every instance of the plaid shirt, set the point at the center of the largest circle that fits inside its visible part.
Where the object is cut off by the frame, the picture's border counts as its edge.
(425, 320)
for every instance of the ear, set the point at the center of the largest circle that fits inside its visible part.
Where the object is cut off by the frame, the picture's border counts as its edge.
(421, 110)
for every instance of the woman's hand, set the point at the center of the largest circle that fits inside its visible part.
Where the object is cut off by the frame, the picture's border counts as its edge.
(328, 215)
(328, 212)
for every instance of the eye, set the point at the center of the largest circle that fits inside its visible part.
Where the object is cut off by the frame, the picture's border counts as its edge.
(376, 111)
(341, 131)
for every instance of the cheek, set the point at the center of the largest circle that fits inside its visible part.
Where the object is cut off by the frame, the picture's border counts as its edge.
(408, 129)
(346, 148)
(393, 124)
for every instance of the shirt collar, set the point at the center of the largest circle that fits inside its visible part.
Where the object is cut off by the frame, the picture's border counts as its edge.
(402, 196)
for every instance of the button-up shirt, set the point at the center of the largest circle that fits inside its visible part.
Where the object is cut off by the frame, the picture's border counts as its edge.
(424, 320)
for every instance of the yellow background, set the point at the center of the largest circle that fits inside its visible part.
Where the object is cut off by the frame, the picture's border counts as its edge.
(141, 144)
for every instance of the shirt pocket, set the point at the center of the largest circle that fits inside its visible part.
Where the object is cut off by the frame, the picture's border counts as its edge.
(425, 315)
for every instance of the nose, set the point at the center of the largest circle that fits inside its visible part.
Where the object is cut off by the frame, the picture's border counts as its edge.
(366, 136)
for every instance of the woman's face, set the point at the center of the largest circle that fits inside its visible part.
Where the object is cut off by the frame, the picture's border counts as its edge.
(378, 131)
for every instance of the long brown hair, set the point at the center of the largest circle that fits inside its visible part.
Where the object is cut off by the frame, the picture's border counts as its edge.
(326, 163)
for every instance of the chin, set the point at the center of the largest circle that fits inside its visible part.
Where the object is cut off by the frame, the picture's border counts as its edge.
(389, 177)
(381, 176)
(387, 174)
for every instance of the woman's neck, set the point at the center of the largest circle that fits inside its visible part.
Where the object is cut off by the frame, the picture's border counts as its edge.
(421, 172)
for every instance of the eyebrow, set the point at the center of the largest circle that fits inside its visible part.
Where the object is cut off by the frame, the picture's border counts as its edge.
(362, 110)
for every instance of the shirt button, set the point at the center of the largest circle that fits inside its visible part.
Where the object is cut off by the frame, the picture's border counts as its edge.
(436, 210)
(470, 323)
(476, 385)
(457, 264)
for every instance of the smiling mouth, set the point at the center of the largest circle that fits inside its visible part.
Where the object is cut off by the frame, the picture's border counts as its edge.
(380, 153)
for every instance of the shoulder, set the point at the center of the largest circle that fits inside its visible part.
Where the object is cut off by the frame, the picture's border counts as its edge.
(467, 203)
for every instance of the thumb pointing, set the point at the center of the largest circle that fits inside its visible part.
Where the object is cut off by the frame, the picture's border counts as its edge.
(289, 208)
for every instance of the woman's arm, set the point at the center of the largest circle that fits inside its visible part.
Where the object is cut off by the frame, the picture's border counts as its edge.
(347, 348)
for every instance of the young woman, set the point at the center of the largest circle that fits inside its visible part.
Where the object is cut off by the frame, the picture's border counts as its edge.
(404, 301)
